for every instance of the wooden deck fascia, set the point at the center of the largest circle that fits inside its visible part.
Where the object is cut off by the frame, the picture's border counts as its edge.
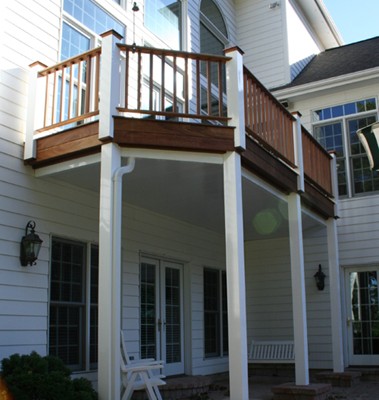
(83, 140)
(173, 135)
(258, 160)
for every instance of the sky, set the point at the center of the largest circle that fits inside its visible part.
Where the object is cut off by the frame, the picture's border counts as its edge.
(355, 19)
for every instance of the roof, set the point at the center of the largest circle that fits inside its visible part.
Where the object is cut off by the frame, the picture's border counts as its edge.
(339, 61)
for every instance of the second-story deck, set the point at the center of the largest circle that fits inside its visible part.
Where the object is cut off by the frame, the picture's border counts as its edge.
(154, 98)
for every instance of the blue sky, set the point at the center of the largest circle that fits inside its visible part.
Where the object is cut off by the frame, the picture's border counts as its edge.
(355, 19)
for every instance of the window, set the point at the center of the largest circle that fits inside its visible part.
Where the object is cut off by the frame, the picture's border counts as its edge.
(215, 313)
(73, 322)
(163, 18)
(92, 16)
(83, 22)
(213, 39)
(336, 129)
(213, 33)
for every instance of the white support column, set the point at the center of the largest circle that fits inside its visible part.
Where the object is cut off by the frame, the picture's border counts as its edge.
(109, 293)
(235, 93)
(334, 277)
(298, 290)
(335, 295)
(35, 109)
(110, 85)
(235, 270)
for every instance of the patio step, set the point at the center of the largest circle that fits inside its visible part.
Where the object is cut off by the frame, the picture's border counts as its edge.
(182, 387)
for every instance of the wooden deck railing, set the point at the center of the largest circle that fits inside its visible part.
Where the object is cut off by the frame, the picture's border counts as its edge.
(174, 84)
(71, 90)
(159, 83)
(317, 165)
(267, 120)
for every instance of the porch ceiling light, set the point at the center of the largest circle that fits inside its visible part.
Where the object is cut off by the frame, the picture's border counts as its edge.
(135, 9)
(320, 278)
(30, 245)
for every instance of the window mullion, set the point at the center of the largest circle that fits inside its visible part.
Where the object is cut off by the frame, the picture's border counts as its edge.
(347, 157)
(87, 318)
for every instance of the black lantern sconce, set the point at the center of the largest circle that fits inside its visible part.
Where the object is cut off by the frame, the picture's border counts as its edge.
(320, 278)
(30, 245)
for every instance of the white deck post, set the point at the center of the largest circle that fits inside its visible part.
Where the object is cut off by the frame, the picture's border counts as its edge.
(35, 109)
(334, 278)
(235, 269)
(298, 290)
(109, 281)
(235, 92)
(110, 86)
(297, 138)
(335, 295)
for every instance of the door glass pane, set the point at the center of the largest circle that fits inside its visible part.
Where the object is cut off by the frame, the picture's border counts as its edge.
(173, 317)
(148, 311)
(364, 303)
(211, 313)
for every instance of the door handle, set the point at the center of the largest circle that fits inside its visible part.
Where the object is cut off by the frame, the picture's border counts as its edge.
(161, 324)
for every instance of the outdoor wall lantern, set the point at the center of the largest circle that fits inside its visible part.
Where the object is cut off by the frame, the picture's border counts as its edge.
(30, 245)
(320, 278)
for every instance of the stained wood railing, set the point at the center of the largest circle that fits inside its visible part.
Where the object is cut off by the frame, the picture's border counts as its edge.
(317, 163)
(267, 120)
(71, 90)
(160, 83)
(173, 84)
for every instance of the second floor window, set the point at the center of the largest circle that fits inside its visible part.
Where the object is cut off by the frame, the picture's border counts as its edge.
(336, 129)
(83, 22)
(164, 19)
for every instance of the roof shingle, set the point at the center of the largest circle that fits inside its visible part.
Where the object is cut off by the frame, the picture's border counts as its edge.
(340, 61)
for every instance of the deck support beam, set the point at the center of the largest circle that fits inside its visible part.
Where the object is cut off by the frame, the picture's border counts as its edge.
(235, 271)
(298, 290)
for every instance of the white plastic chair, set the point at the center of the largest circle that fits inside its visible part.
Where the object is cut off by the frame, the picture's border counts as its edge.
(140, 374)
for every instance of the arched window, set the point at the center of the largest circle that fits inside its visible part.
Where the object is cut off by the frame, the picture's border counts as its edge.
(213, 39)
(213, 32)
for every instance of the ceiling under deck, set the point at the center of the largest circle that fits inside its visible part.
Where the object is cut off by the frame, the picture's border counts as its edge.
(193, 192)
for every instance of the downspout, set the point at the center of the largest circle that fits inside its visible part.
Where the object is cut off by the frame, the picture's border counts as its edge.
(116, 258)
(117, 202)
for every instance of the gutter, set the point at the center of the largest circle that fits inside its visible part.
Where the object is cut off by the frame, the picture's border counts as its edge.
(330, 83)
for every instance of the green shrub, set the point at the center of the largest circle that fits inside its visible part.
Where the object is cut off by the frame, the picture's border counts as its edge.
(32, 377)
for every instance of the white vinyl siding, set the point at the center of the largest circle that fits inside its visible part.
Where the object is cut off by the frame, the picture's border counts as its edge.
(24, 328)
(269, 295)
(358, 231)
(262, 35)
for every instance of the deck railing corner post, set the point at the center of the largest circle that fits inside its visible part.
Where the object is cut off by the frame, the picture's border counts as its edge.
(35, 109)
(109, 86)
(298, 151)
(334, 181)
(235, 94)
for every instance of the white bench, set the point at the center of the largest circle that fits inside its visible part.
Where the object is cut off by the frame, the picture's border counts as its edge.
(275, 351)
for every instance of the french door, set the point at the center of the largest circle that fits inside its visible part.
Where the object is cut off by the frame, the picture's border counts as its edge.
(161, 313)
(363, 316)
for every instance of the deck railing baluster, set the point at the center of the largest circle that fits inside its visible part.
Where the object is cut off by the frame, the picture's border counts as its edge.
(266, 119)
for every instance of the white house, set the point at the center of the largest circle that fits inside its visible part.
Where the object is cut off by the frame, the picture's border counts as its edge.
(176, 198)
(337, 94)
